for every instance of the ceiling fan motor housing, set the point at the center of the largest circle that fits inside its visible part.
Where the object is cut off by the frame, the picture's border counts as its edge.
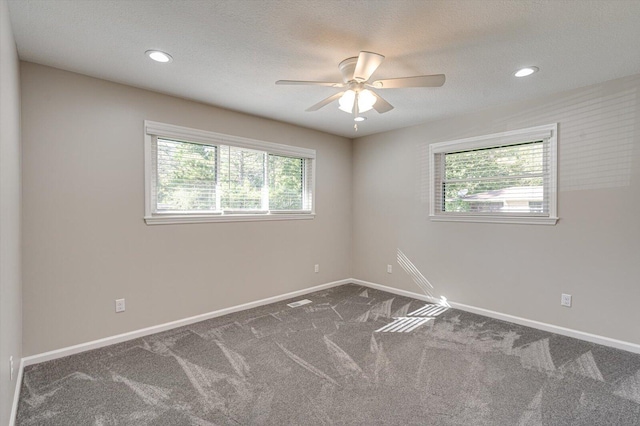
(347, 68)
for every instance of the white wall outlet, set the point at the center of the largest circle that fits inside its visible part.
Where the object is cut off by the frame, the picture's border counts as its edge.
(565, 300)
(119, 305)
(389, 269)
(11, 368)
(316, 268)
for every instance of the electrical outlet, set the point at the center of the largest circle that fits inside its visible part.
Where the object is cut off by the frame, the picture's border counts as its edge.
(317, 268)
(11, 368)
(389, 269)
(565, 300)
(119, 305)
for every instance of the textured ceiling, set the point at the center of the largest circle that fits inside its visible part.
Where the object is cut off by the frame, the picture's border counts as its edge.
(230, 53)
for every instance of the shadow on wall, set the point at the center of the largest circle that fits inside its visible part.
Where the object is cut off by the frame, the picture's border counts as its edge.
(597, 135)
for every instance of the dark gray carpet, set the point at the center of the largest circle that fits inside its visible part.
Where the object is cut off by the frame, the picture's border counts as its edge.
(324, 363)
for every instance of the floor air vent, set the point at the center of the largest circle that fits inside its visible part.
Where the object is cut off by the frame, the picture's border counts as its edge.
(299, 303)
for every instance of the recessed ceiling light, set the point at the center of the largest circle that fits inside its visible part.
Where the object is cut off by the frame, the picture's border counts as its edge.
(159, 56)
(523, 72)
(360, 118)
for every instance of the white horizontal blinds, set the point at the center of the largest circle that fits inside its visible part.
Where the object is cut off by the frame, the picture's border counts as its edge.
(194, 175)
(438, 184)
(504, 179)
(308, 184)
(287, 182)
(242, 179)
(185, 178)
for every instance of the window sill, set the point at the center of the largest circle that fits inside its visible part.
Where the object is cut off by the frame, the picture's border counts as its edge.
(175, 219)
(523, 220)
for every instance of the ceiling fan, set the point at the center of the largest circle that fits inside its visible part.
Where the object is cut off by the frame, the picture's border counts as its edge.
(358, 95)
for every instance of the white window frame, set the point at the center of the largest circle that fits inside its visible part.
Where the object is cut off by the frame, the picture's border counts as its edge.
(154, 130)
(547, 133)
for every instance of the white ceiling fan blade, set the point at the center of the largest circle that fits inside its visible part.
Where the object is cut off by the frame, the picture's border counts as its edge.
(310, 83)
(435, 80)
(368, 63)
(381, 105)
(325, 101)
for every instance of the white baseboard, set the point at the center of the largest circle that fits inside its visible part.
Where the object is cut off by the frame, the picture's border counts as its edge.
(16, 395)
(396, 291)
(95, 344)
(594, 338)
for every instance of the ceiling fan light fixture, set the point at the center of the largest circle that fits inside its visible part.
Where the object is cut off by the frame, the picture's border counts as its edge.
(366, 100)
(526, 71)
(159, 56)
(360, 118)
(347, 100)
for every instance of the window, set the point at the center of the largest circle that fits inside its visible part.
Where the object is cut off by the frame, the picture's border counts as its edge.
(504, 177)
(198, 176)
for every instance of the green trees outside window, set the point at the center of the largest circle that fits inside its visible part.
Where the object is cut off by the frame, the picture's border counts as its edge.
(286, 183)
(193, 177)
(186, 176)
(490, 179)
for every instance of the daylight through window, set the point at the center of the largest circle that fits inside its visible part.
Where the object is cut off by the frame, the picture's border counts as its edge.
(507, 177)
(196, 176)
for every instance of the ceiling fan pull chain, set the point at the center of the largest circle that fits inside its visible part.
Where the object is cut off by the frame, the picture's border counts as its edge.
(355, 111)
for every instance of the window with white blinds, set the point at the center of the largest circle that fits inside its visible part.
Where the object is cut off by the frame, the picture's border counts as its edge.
(199, 176)
(185, 176)
(505, 177)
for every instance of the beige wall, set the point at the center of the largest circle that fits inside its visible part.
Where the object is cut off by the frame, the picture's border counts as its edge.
(10, 220)
(593, 252)
(85, 241)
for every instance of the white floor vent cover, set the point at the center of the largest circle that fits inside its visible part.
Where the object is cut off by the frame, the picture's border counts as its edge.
(299, 303)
